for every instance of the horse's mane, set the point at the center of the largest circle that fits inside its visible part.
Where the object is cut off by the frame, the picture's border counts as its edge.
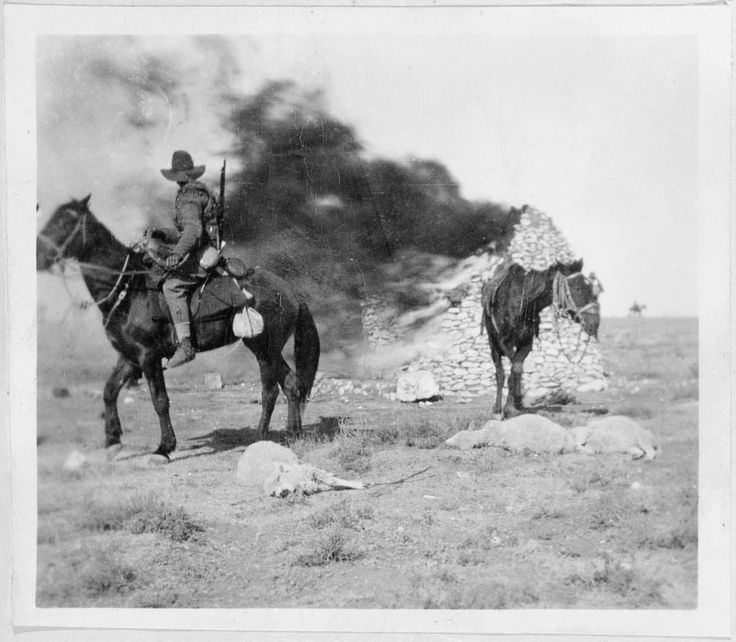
(82, 208)
(103, 237)
(532, 283)
(569, 268)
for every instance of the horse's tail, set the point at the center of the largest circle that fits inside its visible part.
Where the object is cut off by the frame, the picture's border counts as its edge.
(306, 351)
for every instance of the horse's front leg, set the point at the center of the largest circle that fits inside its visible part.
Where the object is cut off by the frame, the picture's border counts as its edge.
(514, 401)
(120, 374)
(498, 365)
(155, 378)
(500, 380)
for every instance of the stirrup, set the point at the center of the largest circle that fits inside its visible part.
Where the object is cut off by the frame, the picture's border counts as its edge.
(185, 353)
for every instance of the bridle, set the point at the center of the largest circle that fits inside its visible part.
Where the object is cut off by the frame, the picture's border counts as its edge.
(60, 250)
(563, 300)
(564, 305)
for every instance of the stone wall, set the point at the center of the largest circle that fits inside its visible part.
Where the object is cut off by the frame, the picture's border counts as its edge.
(378, 319)
(563, 359)
(536, 243)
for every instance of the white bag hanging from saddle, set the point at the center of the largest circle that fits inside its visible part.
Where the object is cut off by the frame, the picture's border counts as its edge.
(248, 323)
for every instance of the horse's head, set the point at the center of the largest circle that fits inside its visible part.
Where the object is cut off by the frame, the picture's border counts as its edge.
(576, 296)
(64, 235)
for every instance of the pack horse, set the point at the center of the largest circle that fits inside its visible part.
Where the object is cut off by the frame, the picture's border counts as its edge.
(512, 301)
(139, 328)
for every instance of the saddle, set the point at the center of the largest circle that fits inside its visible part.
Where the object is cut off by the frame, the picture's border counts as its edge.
(221, 294)
(491, 285)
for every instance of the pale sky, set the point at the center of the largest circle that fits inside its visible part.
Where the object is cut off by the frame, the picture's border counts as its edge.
(598, 131)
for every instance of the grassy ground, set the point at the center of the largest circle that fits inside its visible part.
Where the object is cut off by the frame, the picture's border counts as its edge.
(479, 529)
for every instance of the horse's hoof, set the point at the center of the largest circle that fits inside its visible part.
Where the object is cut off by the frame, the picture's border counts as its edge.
(111, 452)
(157, 459)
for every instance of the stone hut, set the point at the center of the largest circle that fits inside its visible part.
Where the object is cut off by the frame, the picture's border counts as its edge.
(563, 360)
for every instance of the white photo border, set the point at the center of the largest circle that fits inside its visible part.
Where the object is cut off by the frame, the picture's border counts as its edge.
(709, 23)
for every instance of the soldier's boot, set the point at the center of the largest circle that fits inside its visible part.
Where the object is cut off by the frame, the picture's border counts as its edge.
(184, 349)
(176, 294)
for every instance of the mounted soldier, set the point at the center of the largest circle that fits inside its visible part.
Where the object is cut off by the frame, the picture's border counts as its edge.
(196, 247)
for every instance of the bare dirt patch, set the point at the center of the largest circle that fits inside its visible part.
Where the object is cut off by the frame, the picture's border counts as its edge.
(479, 529)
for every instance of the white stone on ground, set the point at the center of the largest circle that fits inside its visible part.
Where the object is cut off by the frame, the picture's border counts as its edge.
(416, 386)
(213, 381)
(535, 396)
(597, 385)
(74, 461)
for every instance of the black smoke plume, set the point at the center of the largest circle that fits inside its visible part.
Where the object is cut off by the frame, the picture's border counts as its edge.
(303, 197)
(308, 204)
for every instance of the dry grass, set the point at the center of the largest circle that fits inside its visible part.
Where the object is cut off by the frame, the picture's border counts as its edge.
(90, 576)
(332, 546)
(480, 530)
(353, 454)
(687, 391)
(341, 515)
(141, 514)
(444, 590)
(622, 580)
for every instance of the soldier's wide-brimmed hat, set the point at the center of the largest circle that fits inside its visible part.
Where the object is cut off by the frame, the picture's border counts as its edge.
(183, 168)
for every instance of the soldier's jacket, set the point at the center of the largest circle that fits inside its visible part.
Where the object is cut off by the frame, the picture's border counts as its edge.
(189, 211)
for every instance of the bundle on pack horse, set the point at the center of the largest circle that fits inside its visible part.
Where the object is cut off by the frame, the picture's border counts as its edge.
(139, 327)
(513, 299)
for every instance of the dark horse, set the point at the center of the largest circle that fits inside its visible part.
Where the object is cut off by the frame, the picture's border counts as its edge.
(118, 282)
(512, 301)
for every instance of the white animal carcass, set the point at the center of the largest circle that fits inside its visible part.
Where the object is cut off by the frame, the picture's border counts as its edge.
(616, 434)
(524, 433)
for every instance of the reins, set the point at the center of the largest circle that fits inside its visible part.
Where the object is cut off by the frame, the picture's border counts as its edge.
(577, 345)
(81, 224)
(563, 303)
(104, 268)
(61, 259)
(122, 273)
(121, 297)
(117, 283)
